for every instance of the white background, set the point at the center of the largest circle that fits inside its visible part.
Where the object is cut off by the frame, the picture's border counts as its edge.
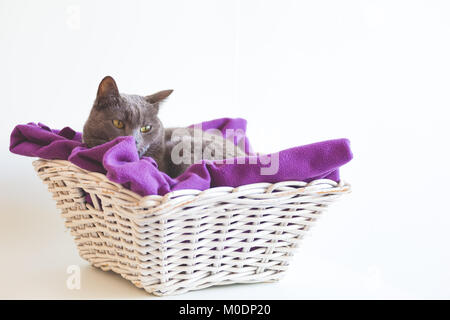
(376, 72)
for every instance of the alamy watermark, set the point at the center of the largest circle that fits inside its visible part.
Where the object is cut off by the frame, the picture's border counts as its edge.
(192, 145)
(73, 17)
(73, 281)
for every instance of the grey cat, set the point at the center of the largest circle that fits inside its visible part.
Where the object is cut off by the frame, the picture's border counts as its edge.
(174, 149)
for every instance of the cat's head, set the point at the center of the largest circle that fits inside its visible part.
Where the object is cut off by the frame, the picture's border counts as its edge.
(114, 114)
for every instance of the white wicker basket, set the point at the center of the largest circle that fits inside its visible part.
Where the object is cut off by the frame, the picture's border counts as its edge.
(189, 239)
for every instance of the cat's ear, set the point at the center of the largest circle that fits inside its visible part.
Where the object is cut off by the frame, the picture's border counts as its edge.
(158, 97)
(107, 88)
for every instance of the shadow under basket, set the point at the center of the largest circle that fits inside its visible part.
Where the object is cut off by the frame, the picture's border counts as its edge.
(188, 239)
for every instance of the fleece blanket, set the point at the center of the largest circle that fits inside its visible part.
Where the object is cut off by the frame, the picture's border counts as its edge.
(119, 160)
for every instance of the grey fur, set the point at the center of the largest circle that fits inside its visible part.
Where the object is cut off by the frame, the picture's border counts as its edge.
(136, 111)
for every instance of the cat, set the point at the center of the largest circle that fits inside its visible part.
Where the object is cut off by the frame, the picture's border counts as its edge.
(116, 114)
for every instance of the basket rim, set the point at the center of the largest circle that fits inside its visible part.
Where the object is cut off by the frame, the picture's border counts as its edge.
(186, 196)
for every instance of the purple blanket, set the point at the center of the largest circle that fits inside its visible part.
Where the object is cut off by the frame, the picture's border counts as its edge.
(119, 160)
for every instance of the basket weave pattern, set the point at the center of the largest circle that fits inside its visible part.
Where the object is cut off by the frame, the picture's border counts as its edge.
(187, 239)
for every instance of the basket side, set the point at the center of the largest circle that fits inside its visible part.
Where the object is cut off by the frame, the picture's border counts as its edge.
(240, 235)
(105, 236)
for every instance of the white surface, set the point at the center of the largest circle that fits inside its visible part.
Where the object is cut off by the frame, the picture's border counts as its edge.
(376, 72)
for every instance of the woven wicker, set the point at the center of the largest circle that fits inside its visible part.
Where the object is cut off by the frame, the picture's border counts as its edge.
(188, 239)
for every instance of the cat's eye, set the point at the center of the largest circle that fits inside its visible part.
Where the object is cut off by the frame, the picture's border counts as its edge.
(118, 124)
(146, 128)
